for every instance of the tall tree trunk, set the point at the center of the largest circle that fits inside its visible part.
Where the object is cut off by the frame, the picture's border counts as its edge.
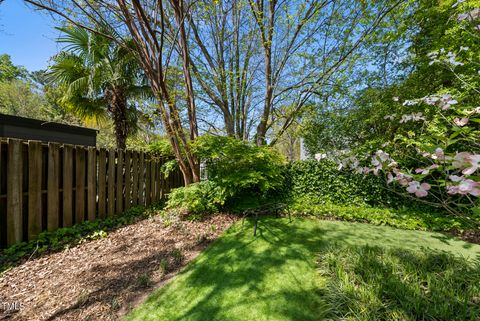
(118, 109)
(180, 12)
(266, 26)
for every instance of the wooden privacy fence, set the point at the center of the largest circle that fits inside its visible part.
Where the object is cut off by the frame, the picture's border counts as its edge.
(47, 186)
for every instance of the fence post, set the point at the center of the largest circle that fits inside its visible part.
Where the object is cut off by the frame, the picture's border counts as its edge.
(135, 179)
(102, 183)
(111, 183)
(119, 185)
(128, 179)
(14, 192)
(91, 183)
(67, 185)
(152, 181)
(147, 182)
(34, 188)
(141, 179)
(53, 182)
(79, 184)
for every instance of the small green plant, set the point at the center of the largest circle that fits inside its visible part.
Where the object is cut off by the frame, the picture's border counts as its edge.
(114, 305)
(82, 299)
(163, 266)
(178, 256)
(144, 281)
(199, 198)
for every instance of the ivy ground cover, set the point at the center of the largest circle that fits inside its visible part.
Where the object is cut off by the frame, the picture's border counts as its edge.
(311, 269)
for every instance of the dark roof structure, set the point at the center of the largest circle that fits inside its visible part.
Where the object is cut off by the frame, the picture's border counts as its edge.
(34, 129)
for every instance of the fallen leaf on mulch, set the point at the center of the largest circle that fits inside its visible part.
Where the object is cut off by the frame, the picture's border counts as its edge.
(105, 278)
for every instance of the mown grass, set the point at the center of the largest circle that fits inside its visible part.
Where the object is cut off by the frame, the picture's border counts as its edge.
(315, 270)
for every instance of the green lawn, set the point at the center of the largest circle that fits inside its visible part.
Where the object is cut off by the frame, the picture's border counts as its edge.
(313, 270)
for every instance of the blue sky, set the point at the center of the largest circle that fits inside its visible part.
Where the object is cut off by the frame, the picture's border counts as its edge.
(26, 35)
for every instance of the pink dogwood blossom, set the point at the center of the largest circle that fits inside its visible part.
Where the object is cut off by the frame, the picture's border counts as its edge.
(426, 171)
(420, 190)
(461, 121)
(469, 163)
(466, 186)
(474, 165)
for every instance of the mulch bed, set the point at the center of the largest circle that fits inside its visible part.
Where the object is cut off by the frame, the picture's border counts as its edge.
(471, 236)
(105, 278)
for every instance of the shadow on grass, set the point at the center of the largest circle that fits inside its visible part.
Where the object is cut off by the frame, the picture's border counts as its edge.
(245, 278)
(274, 276)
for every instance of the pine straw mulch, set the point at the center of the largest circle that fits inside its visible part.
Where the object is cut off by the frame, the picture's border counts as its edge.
(105, 278)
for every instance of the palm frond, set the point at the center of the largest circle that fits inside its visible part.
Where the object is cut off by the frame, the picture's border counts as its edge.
(86, 109)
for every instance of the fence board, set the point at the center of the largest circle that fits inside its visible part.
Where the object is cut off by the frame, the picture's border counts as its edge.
(128, 179)
(79, 184)
(34, 189)
(14, 192)
(119, 185)
(152, 181)
(91, 183)
(135, 179)
(141, 179)
(53, 183)
(102, 183)
(147, 182)
(159, 180)
(111, 183)
(67, 185)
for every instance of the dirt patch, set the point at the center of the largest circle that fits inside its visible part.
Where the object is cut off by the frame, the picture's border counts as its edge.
(105, 278)
(471, 236)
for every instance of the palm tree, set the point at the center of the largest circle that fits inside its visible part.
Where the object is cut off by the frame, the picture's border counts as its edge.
(100, 79)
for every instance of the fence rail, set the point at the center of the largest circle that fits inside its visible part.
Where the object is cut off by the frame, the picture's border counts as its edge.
(47, 186)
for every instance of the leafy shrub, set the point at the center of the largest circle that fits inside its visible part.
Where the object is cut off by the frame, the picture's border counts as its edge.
(318, 188)
(161, 147)
(240, 175)
(239, 166)
(198, 198)
(322, 181)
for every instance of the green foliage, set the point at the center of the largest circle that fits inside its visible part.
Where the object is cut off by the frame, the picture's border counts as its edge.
(373, 283)
(322, 181)
(161, 147)
(404, 218)
(355, 121)
(18, 98)
(240, 175)
(196, 199)
(239, 167)
(8, 71)
(99, 79)
(320, 189)
(71, 236)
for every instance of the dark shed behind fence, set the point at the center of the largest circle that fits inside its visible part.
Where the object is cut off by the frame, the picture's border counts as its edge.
(33, 129)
